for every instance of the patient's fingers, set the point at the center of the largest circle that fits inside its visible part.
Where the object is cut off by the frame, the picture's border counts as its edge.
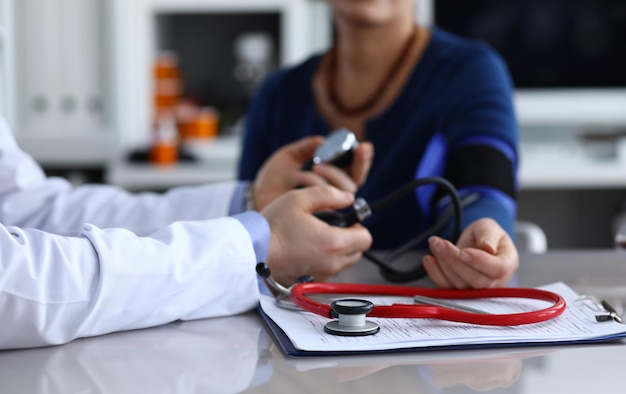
(445, 254)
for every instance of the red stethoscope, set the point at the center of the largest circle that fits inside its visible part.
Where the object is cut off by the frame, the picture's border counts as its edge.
(349, 313)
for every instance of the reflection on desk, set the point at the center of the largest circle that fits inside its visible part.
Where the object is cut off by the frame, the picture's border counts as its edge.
(231, 355)
(221, 355)
(236, 354)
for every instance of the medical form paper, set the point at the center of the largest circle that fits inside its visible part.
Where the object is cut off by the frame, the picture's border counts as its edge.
(302, 333)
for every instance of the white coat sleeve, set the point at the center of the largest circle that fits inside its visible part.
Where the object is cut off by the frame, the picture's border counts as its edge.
(54, 289)
(30, 199)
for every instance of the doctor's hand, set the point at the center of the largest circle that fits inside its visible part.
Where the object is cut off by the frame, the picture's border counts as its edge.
(302, 244)
(282, 171)
(484, 257)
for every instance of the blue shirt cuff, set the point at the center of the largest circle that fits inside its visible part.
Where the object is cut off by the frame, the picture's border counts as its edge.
(259, 231)
(238, 202)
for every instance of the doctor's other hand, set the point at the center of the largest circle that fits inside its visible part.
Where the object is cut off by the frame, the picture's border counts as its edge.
(283, 171)
(484, 257)
(301, 244)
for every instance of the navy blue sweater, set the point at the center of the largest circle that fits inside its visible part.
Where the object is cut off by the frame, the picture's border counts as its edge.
(454, 118)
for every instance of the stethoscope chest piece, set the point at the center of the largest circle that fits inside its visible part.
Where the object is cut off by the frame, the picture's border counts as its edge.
(351, 321)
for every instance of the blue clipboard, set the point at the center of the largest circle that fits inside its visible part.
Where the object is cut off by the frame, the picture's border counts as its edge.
(290, 350)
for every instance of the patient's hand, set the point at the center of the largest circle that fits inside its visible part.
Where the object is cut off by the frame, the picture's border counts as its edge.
(484, 257)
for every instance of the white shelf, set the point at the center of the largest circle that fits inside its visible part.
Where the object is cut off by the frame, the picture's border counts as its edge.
(568, 164)
(597, 176)
(139, 177)
(217, 162)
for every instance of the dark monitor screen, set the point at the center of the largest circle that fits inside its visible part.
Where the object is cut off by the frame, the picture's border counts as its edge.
(547, 43)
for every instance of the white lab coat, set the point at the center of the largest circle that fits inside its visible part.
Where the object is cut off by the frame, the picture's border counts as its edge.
(77, 262)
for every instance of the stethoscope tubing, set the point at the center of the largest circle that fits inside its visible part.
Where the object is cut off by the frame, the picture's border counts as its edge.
(300, 296)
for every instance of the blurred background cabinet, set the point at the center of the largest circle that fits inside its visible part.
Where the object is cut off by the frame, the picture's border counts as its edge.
(57, 79)
(75, 75)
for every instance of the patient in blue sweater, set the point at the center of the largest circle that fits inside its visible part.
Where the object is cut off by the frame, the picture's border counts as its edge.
(431, 104)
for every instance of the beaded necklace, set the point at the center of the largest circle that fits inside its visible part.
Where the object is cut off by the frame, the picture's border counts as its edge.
(331, 81)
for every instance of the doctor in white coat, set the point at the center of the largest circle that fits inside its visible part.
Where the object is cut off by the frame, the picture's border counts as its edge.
(90, 260)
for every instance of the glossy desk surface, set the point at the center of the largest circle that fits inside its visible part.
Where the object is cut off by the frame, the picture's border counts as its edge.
(237, 354)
